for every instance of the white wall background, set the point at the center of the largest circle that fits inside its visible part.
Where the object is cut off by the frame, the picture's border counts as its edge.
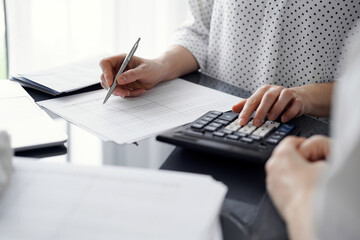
(47, 33)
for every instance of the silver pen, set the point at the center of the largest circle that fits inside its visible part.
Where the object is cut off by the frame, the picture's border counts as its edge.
(121, 70)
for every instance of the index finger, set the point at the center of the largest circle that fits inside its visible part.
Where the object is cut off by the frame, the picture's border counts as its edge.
(108, 71)
(109, 66)
(252, 104)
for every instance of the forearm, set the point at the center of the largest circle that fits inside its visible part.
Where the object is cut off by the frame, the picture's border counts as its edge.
(175, 62)
(317, 98)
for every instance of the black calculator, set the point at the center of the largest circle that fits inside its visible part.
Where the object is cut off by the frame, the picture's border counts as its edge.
(220, 133)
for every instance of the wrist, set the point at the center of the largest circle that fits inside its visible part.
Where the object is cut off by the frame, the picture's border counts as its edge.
(163, 69)
(316, 98)
(302, 94)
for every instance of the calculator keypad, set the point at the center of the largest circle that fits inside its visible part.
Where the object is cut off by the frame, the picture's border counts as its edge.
(225, 126)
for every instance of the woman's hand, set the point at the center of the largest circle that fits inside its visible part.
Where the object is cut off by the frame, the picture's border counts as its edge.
(272, 100)
(142, 74)
(139, 75)
(275, 101)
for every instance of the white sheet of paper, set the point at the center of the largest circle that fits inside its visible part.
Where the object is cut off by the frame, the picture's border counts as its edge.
(29, 126)
(53, 201)
(168, 105)
(68, 77)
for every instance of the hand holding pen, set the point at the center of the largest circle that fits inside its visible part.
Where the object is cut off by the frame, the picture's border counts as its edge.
(134, 75)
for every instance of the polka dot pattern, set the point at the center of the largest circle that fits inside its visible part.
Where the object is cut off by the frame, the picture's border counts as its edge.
(249, 43)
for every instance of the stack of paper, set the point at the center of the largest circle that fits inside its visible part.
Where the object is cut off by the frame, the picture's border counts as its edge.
(63, 79)
(170, 104)
(49, 201)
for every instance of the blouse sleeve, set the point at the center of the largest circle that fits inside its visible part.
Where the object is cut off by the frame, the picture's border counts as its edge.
(194, 33)
(337, 201)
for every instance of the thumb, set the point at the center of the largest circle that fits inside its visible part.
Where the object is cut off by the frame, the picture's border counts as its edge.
(130, 76)
(315, 148)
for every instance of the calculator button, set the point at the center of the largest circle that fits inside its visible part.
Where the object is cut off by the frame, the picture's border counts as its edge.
(217, 113)
(210, 128)
(218, 134)
(234, 126)
(285, 128)
(197, 126)
(217, 125)
(202, 122)
(247, 140)
(208, 119)
(264, 129)
(279, 133)
(230, 116)
(227, 131)
(276, 136)
(255, 137)
(272, 141)
(233, 137)
(248, 128)
(223, 122)
(212, 115)
(240, 134)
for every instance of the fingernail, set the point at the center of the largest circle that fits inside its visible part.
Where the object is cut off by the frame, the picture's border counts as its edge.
(241, 121)
(285, 118)
(256, 122)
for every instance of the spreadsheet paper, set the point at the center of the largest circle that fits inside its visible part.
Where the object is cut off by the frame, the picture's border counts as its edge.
(168, 105)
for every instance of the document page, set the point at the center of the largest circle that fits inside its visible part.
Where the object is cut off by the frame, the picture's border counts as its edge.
(69, 77)
(168, 105)
(57, 201)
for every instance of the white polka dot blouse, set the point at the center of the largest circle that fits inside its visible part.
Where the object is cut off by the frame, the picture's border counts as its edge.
(248, 43)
